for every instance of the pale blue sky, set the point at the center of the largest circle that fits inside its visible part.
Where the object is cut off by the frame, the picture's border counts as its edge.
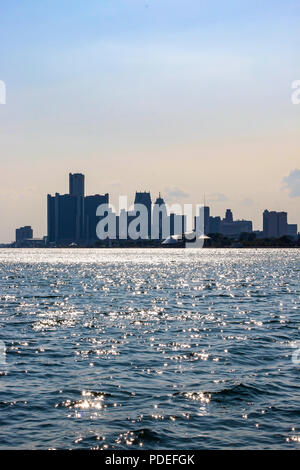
(164, 95)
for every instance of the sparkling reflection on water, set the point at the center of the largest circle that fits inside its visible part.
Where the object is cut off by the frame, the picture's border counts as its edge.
(149, 349)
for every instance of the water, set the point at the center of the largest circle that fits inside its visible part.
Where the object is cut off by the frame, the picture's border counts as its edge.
(149, 349)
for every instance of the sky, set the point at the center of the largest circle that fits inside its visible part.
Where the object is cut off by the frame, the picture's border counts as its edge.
(184, 97)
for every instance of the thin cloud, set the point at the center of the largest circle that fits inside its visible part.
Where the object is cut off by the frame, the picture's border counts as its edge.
(247, 202)
(292, 183)
(216, 197)
(175, 193)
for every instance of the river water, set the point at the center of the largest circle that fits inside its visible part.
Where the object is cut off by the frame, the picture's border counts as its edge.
(149, 349)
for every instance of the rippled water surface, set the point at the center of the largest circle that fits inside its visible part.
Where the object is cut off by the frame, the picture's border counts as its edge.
(150, 349)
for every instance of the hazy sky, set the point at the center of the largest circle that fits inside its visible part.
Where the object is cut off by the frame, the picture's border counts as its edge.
(177, 96)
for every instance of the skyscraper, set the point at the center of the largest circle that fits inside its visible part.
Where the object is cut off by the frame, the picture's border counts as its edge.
(228, 216)
(274, 224)
(270, 226)
(230, 227)
(76, 189)
(215, 224)
(282, 224)
(76, 184)
(144, 198)
(91, 203)
(50, 219)
(72, 217)
(177, 224)
(65, 218)
(23, 233)
(160, 220)
(202, 221)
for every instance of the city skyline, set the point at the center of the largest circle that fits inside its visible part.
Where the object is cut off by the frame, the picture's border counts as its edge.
(91, 202)
(74, 219)
(219, 202)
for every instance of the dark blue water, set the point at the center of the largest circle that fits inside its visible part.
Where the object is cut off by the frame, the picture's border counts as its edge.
(150, 349)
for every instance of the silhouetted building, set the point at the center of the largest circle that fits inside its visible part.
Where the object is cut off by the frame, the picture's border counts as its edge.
(230, 227)
(91, 204)
(122, 225)
(204, 219)
(159, 201)
(228, 216)
(160, 220)
(236, 227)
(145, 199)
(177, 224)
(50, 219)
(275, 224)
(282, 224)
(31, 243)
(65, 213)
(23, 233)
(259, 234)
(76, 189)
(292, 230)
(270, 224)
(214, 224)
(65, 225)
(201, 221)
(61, 218)
(76, 184)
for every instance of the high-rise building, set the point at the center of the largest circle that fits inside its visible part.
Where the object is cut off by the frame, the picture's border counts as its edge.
(72, 217)
(282, 224)
(65, 213)
(274, 224)
(76, 184)
(214, 224)
(91, 204)
(144, 198)
(230, 227)
(50, 219)
(202, 221)
(204, 215)
(236, 227)
(23, 233)
(228, 216)
(177, 224)
(160, 220)
(65, 218)
(61, 218)
(159, 201)
(270, 224)
(292, 230)
(76, 189)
